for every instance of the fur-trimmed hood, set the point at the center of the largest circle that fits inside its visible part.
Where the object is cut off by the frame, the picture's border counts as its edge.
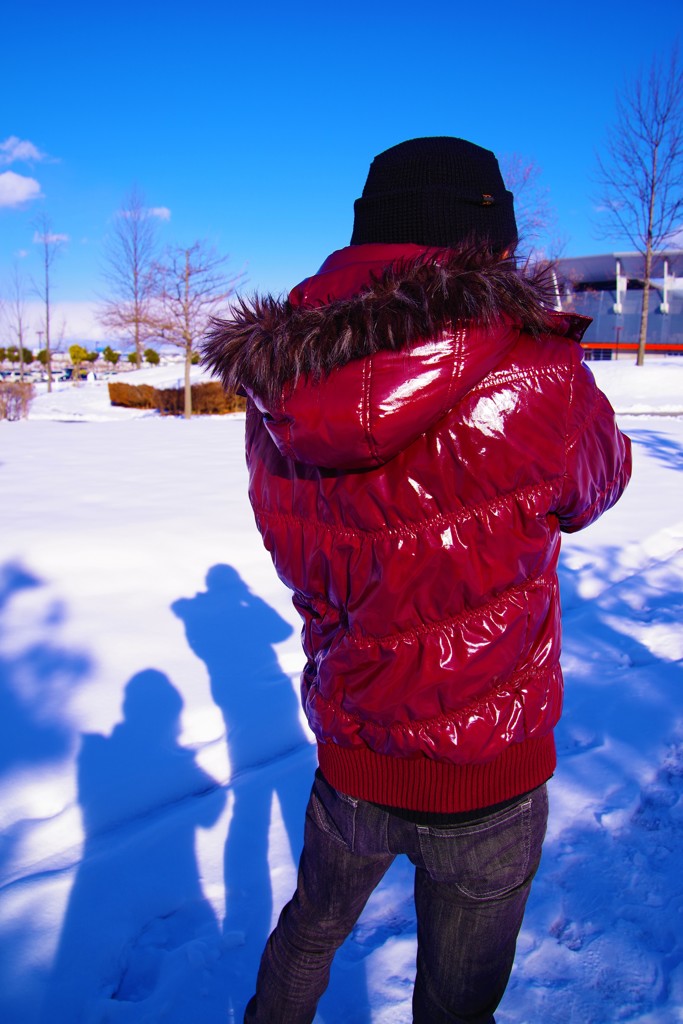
(376, 347)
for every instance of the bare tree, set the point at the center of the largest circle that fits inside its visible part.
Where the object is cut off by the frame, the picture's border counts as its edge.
(51, 246)
(14, 314)
(641, 174)
(130, 253)
(534, 212)
(192, 284)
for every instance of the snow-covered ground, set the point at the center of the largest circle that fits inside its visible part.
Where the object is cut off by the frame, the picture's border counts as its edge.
(154, 763)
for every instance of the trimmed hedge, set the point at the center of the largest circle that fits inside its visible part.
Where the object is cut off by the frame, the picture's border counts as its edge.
(207, 399)
(15, 399)
(133, 396)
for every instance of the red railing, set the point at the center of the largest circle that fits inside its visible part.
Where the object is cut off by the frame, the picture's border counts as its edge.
(632, 346)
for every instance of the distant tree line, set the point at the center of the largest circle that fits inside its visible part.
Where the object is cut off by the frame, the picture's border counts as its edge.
(78, 355)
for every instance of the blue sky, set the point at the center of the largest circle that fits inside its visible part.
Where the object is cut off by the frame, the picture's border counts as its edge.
(254, 124)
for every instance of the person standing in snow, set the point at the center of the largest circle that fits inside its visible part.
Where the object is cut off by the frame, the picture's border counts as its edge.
(420, 429)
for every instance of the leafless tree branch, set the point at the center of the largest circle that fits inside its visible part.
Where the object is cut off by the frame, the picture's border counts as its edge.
(51, 244)
(191, 284)
(14, 314)
(534, 213)
(130, 254)
(640, 174)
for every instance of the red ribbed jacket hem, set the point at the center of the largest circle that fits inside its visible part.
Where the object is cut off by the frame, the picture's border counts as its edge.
(437, 786)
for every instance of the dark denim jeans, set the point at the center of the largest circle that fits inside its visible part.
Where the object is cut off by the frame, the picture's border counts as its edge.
(471, 885)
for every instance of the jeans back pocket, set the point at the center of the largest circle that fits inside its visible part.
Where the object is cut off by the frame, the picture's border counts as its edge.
(489, 857)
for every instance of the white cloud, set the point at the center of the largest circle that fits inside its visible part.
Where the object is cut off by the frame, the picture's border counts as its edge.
(16, 189)
(162, 212)
(14, 148)
(50, 237)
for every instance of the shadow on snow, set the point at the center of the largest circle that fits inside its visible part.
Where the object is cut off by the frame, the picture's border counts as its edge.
(233, 631)
(601, 924)
(601, 927)
(35, 678)
(138, 929)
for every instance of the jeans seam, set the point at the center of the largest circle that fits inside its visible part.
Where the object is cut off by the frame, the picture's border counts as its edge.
(337, 837)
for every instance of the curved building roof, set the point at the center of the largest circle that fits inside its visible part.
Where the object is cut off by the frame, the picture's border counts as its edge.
(585, 269)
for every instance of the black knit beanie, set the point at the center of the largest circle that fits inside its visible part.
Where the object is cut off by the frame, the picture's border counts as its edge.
(436, 191)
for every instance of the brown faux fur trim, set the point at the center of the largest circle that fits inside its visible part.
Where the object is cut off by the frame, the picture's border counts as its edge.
(267, 342)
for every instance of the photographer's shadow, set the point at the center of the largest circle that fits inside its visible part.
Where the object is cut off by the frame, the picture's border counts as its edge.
(142, 798)
(232, 630)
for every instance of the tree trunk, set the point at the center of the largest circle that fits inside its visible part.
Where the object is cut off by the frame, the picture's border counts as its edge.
(642, 339)
(188, 386)
(48, 354)
(188, 336)
(136, 307)
(138, 336)
(645, 309)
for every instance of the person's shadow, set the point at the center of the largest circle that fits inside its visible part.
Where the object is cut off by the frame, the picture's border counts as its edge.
(142, 798)
(232, 630)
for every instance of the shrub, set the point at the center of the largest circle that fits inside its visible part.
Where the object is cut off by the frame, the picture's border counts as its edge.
(133, 396)
(15, 399)
(233, 402)
(207, 399)
(171, 401)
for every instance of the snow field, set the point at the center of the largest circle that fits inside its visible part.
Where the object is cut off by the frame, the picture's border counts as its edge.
(155, 764)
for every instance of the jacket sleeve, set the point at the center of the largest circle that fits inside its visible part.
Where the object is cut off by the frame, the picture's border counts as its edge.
(597, 455)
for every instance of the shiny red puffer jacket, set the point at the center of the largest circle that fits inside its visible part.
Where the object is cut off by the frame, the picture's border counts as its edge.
(411, 488)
